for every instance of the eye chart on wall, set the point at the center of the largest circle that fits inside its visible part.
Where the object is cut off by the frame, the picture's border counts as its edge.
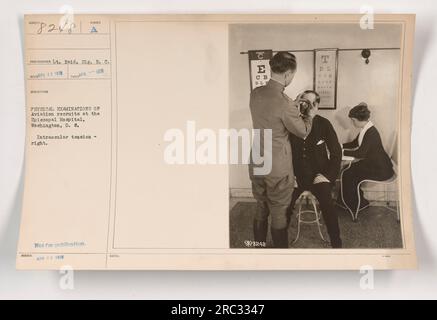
(325, 77)
(259, 67)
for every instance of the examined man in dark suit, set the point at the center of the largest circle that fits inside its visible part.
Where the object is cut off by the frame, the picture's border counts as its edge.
(316, 162)
(272, 109)
(374, 163)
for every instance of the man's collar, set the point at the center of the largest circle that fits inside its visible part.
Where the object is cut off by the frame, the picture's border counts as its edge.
(275, 84)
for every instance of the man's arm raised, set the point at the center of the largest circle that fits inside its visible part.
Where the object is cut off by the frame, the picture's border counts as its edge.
(294, 122)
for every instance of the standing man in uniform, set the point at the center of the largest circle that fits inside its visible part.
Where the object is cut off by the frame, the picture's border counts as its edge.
(272, 109)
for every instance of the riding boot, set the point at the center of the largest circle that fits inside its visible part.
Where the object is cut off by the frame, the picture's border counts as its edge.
(280, 237)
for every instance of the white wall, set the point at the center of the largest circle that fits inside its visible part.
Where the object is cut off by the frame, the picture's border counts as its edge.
(375, 83)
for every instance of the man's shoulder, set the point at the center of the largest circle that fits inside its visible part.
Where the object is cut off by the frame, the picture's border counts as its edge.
(287, 99)
(264, 93)
(318, 119)
(260, 89)
(258, 92)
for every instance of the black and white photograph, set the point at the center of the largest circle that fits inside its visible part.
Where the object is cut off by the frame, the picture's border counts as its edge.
(328, 94)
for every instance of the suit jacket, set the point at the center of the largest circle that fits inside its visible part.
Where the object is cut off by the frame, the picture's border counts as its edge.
(319, 153)
(272, 109)
(374, 158)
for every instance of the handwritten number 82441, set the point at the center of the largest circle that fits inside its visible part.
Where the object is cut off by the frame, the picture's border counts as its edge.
(44, 27)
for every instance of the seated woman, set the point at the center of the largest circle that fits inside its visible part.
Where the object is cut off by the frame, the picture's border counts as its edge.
(373, 164)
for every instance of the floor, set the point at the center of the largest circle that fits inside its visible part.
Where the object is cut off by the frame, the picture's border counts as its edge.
(377, 227)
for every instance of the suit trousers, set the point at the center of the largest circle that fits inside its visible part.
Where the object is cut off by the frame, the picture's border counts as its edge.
(322, 191)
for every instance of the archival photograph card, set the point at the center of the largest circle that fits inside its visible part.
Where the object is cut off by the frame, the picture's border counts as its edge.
(217, 142)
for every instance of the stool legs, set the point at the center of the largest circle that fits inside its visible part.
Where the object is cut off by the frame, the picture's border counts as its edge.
(314, 211)
(298, 221)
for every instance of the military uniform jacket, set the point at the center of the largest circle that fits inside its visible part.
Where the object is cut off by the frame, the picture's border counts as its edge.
(272, 109)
